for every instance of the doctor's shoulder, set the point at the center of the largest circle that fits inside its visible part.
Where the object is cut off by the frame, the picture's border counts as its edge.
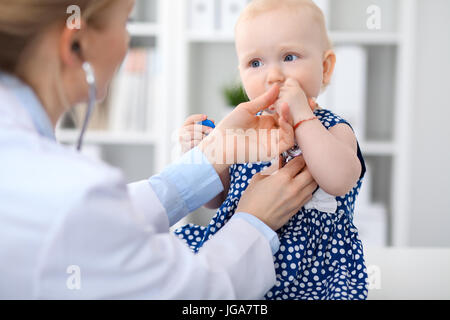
(65, 176)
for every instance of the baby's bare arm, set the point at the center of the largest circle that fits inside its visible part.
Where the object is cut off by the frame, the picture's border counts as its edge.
(331, 155)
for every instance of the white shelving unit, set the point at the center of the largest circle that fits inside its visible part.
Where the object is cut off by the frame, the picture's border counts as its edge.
(196, 65)
(208, 62)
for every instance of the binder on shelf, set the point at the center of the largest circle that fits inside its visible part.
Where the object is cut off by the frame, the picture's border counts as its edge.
(230, 11)
(202, 16)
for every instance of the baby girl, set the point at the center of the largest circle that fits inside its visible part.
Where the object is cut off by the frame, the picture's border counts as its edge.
(285, 42)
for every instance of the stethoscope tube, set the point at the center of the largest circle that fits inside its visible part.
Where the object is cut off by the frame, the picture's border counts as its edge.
(90, 79)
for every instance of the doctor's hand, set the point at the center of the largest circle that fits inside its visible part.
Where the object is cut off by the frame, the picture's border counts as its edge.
(245, 137)
(275, 198)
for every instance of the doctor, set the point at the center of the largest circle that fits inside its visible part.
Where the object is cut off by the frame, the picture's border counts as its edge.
(70, 227)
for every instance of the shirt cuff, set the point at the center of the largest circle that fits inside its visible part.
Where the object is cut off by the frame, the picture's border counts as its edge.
(186, 185)
(267, 232)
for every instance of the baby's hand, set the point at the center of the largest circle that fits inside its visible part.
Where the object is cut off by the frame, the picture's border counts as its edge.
(293, 95)
(192, 133)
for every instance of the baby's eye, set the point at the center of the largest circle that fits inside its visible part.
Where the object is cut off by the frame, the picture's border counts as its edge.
(255, 63)
(290, 57)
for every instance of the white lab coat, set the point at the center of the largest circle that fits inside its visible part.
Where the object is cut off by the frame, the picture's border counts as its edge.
(60, 211)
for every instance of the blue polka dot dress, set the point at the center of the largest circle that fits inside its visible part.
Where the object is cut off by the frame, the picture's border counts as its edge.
(320, 255)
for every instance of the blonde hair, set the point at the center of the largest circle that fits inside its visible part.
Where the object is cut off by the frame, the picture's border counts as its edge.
(257, 7)
(21, 21)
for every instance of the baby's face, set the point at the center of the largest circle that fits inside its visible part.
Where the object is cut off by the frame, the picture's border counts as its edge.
(277, 45)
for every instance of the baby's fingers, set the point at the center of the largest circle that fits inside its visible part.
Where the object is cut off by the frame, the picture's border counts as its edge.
(194, 119)
(197, 128)
(194, 132)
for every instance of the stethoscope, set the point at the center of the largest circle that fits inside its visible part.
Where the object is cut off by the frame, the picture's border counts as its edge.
(91, 81)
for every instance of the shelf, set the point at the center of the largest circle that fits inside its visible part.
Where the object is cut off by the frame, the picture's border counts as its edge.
(364, 38)
(210, 38)
(369, 148)
(141, 29)
(102, 137)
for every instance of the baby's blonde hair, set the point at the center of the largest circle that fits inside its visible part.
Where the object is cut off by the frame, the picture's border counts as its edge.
(257, 7)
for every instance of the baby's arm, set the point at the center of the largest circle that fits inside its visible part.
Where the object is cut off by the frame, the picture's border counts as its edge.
(331, 155)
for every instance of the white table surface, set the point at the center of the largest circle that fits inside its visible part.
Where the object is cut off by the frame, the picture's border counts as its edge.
(408, 273)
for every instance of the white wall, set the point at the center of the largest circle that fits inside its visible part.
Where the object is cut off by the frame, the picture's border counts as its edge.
(430, 169)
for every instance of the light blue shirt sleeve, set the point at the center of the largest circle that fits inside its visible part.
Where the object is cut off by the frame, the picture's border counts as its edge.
(186, 185)
(192, 181)
(268, 233)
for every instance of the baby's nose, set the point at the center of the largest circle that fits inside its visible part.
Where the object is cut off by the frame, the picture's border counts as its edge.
(275, 76)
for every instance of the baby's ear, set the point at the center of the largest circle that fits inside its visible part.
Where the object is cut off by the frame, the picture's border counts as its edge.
(329, 62)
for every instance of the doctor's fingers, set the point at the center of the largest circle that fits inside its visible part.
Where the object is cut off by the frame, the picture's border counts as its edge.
(293, 167)
(303, 178)
(277, 164)
(298, 197)
(304, 189)
(302, 202)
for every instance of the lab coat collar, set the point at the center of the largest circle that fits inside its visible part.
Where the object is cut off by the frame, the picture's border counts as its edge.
(30, 102)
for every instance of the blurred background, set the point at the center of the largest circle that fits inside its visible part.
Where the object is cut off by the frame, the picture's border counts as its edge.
(392, 71)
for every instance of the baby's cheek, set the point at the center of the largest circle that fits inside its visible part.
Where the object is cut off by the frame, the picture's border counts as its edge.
(310, 77)
(312, 85)
(312, 91)
(252, 88)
